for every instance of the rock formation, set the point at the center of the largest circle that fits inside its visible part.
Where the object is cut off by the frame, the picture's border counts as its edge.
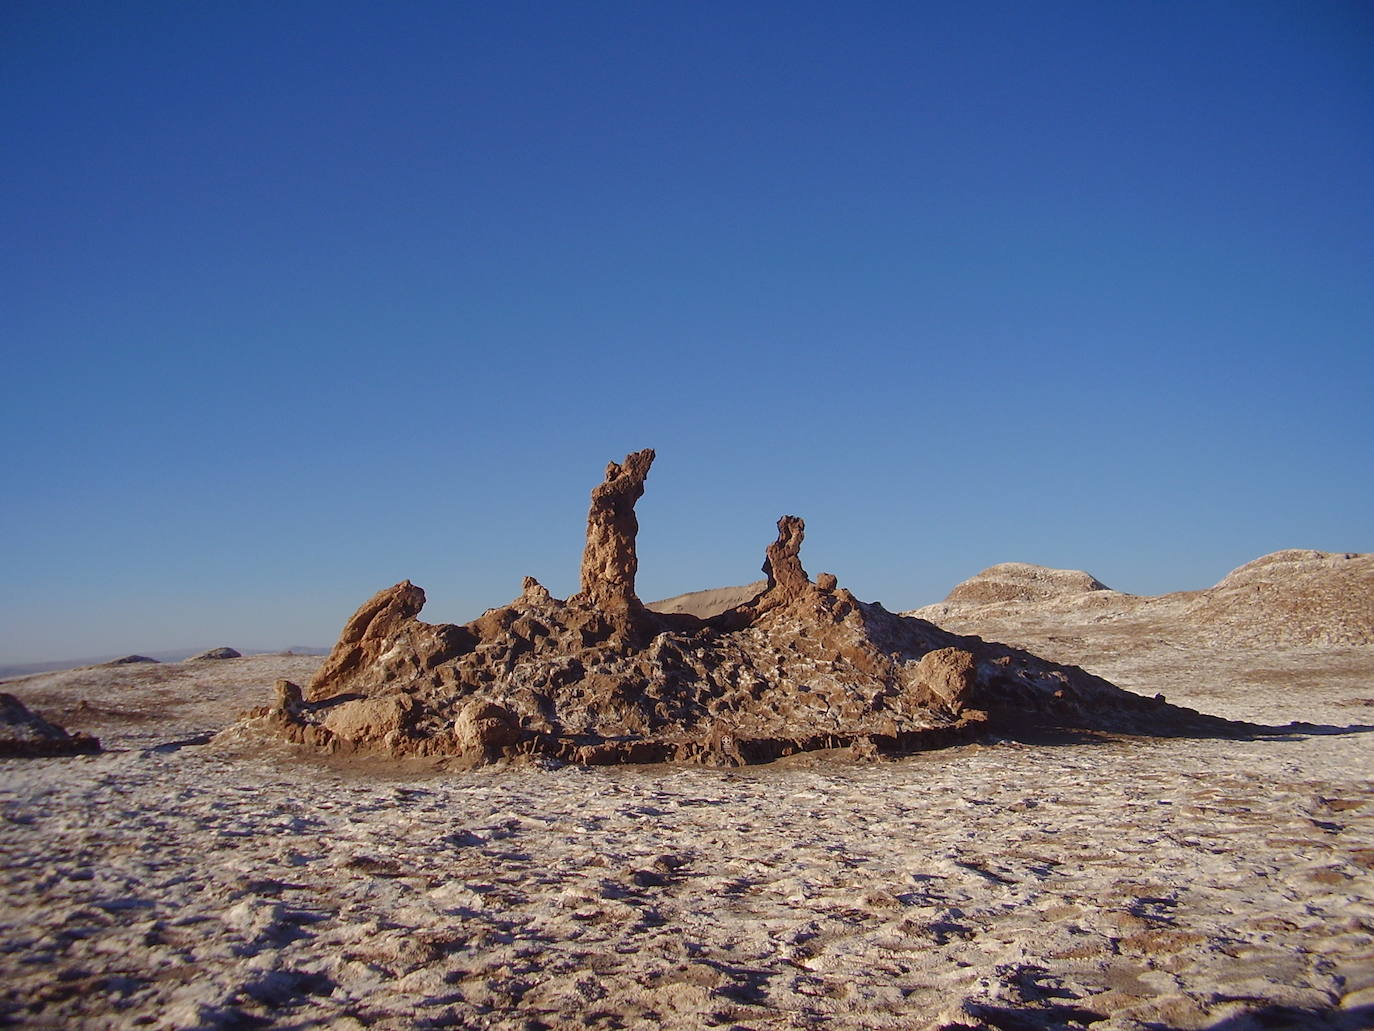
(216, 653)
(600, 678)
(609, 562)
(25, 734)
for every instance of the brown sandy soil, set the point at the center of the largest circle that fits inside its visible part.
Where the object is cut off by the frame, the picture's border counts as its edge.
(1111, 883)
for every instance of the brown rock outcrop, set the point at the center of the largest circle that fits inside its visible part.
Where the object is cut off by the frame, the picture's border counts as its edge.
(26, 734)
(599, 678)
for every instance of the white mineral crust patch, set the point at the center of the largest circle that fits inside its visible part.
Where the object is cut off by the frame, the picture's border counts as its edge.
(1121, 884)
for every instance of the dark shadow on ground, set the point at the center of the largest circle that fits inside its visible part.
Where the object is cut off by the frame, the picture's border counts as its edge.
(1050, 735)
(1072, 1018)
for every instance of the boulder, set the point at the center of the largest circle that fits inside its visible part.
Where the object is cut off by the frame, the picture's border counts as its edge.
(949, 675)
(367, 721)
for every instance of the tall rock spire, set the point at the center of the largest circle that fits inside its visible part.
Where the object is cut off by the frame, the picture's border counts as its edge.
(609, 562)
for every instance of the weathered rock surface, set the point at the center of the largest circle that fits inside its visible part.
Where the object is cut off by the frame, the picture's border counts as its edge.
(1288, 598)
(129, 660)
(600, 678)
(24, 734)
(216, 653)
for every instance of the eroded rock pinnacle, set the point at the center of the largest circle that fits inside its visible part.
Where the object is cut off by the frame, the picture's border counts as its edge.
(609, 562)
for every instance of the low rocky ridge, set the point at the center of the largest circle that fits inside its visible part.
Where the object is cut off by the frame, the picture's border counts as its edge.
(24, 734)
(1286, 599)
(600, 678)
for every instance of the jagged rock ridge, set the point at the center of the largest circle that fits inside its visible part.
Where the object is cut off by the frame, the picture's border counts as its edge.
(600, 678)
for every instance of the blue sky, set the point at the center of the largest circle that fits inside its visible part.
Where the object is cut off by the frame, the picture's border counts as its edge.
(302, 299)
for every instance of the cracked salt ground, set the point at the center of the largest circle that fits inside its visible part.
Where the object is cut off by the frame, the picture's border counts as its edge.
(1136, 884)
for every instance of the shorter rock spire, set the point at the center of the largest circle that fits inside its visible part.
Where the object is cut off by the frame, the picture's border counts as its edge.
(782, 564)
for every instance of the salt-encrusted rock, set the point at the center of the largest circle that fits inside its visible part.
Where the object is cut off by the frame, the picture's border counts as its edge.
(26, 734)
(216, 653)
(599, 678)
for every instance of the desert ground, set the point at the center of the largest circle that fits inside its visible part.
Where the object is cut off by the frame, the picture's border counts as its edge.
(173, 881)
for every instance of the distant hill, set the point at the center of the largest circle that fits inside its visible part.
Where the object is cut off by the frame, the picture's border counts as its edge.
(711, 602)
(1293, 597)
(174, 655)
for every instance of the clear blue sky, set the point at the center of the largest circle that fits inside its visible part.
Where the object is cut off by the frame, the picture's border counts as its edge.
(301, 299)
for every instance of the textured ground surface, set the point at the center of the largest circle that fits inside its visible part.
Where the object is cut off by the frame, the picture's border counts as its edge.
(1184, 883)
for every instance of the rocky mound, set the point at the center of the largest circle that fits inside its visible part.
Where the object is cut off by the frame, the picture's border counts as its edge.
(600, 678)
(1308, 597)
(1019, 582)
(216, 653)
(24, 734)
(1292, 597)
(128, 660)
